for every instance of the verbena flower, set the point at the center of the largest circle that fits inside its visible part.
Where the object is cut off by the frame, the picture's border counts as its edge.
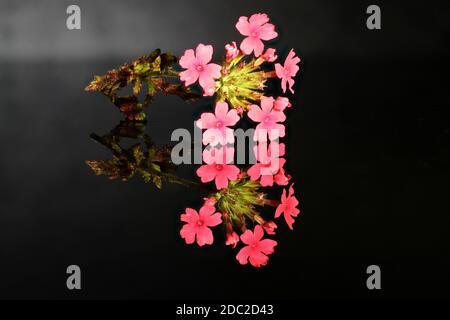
(217, 125)
(199, 68)
(218, 167)
(288, 207)
(197, 225)
(268, 119)
(256, 29)
(288, 70)
(256, 249)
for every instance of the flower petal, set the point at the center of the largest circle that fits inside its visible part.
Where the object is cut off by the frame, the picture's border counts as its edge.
(243, 255)
(191, 216)
(189, 76)
(204, 236)
(258, 233)
(188, 232)
(243, 26)
(258, 19)
(267, 32)
(255, 113)
(267, 104)
(204, 53)
(247, 237)
(267, 246)
(206, 173)
(187, 58)
(221, 180)
(213, 70)
(258, 259)
(221, 110)
(214, 220)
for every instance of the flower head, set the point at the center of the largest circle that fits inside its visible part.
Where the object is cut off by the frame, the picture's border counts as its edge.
(288, 71)
(268, 119)
(256, 29)
(257, 248)
(197, 225)
(232, 51)
(217, 166)
(288, 207)
(199, 68)
(217, 124)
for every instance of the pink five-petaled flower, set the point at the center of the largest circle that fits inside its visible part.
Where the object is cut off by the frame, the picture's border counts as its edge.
(268, 119)
(288, 207)
(256, 29)
(199, 68)
(269, 164)
(217, 166)
(232, 51)
(256, 250)
(197, 225)
(288, 71)
(217, 124)
(232, 239)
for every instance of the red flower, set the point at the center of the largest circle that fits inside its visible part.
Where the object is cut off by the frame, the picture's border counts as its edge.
(256, 250)
(197, 225)
(288, 207)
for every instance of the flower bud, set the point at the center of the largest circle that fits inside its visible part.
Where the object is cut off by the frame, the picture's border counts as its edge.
(270, 227)
(232, 239)
(232, 51)
(270, 55)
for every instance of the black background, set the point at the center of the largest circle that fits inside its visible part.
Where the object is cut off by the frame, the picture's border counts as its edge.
(367, 146)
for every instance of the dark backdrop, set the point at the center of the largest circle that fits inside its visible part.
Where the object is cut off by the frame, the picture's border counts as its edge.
(367, 146)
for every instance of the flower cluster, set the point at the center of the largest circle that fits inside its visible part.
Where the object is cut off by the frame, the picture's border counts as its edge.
(238, 85)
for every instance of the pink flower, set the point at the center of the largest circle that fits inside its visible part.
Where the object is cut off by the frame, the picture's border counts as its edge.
(270, 55)
(288, 71)
(268, 119)
(288, 207)
(217, 124)
(232, 51)
(199, 68)
(232, 239)
(270, 227)
(256, 250)
(280, 178)
(197, 225)
(256, 29)
(269, 163)
(281, 103)
(217, 166)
